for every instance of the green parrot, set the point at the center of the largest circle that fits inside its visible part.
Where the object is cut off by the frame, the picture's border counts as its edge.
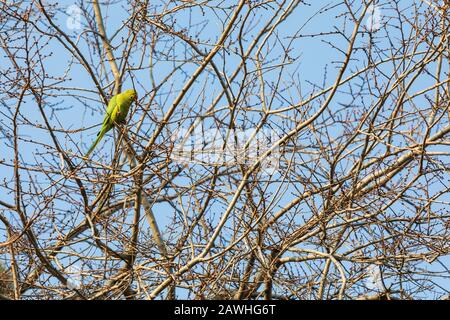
(116, 113)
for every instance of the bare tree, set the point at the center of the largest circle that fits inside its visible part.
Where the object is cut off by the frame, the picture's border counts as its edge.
(278, 150)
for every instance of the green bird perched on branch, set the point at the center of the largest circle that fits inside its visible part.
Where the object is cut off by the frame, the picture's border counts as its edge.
(116, 113)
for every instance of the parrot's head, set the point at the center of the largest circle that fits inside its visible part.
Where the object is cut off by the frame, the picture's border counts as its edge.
(130, 95)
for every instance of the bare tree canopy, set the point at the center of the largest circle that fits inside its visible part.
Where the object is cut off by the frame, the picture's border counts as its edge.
(276, 149)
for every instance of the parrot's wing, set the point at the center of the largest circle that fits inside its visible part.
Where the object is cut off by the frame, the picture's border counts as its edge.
(117, 114)
(107, 124)
(112, 105)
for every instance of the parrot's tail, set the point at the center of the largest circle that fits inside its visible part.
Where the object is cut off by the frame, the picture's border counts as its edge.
(99, 137)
